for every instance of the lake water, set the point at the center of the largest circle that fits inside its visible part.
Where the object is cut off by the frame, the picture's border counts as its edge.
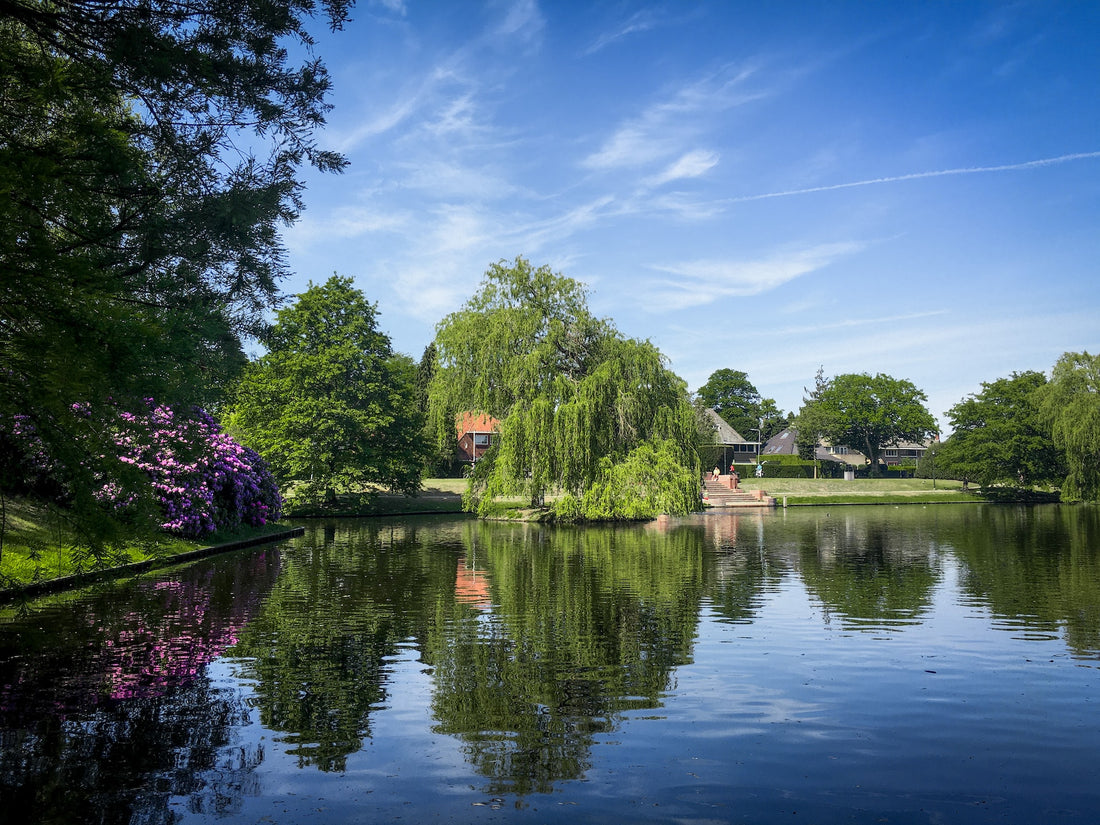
(820, 665)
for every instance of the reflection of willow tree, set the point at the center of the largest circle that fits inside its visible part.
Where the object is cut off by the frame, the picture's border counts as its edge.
(317, 649)
(874, 570)
(745, 566)
(592, 623)
(105, 708)
(1036, 565)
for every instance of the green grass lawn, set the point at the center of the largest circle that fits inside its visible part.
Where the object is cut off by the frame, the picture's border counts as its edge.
(39, 546)
(437, 495)
(861, 490)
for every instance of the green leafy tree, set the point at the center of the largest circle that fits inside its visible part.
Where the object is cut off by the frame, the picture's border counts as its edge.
(149, 153)
(808, 425)
(330, 405)
(733, 396)
(868, 413)
(772, 419)
(730, 394)
(1069, 404)
(439, 453)
(999, 437)
(573, 395)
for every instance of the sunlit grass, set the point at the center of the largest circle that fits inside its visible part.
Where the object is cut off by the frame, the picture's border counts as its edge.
(39, 545)
(859, 487)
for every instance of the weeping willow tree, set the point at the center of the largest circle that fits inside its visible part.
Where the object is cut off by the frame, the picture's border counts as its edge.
(1070, 405)
(585, 412)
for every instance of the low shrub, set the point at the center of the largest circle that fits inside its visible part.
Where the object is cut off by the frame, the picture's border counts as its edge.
(197, 478)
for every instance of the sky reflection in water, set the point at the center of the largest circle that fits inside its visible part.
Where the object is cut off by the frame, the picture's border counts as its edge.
(852, 664)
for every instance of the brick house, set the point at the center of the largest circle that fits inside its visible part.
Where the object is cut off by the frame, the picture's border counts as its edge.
(476, 433)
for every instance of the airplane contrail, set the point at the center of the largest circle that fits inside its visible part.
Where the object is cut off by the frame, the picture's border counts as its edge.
(969, 170)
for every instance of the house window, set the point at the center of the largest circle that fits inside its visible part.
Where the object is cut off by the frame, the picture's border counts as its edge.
(481, 439)
(891, 453)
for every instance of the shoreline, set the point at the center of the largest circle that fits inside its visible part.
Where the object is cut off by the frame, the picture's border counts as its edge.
(63, 583)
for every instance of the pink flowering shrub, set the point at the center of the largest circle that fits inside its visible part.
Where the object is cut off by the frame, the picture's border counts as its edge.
(202, 479)
(199, 478)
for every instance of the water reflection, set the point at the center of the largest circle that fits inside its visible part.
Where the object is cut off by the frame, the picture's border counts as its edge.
(346, 599)
(537, 645)
(589, 623)
(871, 574)
(106, 707)
(1035, 568)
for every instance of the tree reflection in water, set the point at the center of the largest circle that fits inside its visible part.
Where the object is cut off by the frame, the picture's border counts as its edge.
(587, 624)
(535, 644)
(106, 709)
(345, 602)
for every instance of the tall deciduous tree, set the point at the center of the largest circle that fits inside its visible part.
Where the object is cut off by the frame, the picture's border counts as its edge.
(149, 152)
(999, 437)
(330, 405)
(807, 424)
(868, 413)
(575, 398)
(1070, 405)
(733, 396)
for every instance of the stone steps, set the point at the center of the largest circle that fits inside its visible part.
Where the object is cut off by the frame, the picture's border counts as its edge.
(719, 494)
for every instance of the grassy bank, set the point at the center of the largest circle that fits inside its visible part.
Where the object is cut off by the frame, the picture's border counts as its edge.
(444, 495)
(38, 545)
(800, 491)
(437, 495)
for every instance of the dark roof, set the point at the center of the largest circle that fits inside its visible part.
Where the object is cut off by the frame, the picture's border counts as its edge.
(784, 442)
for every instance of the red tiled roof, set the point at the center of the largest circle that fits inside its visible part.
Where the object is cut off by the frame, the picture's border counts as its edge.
(476, 422)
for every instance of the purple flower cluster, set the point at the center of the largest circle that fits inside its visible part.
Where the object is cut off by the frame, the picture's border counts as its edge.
(202, 479)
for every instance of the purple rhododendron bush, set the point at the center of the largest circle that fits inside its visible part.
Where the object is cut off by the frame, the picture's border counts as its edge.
(198, 477)
(203, 480)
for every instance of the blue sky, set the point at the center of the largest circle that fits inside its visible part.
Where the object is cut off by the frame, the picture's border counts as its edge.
(906, 188)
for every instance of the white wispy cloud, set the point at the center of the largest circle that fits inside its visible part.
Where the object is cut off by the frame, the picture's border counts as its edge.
(447, 179)
(690, 165)
(967, 170)
(662, 130)
(342, 224)
(536, 234)
(633, 144)
(522, 21)
(379, 123)
(640, 21)
(678, 205)
(705, 281)
(395, 6)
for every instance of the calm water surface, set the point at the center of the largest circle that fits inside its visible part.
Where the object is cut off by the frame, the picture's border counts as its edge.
(879, 664)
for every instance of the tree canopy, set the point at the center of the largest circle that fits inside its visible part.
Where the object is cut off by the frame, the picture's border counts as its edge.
(998, 436)
(733, 396)
(149, 153)
(1070, 405)
(867, 413)
(330, 405)
(575, 399)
